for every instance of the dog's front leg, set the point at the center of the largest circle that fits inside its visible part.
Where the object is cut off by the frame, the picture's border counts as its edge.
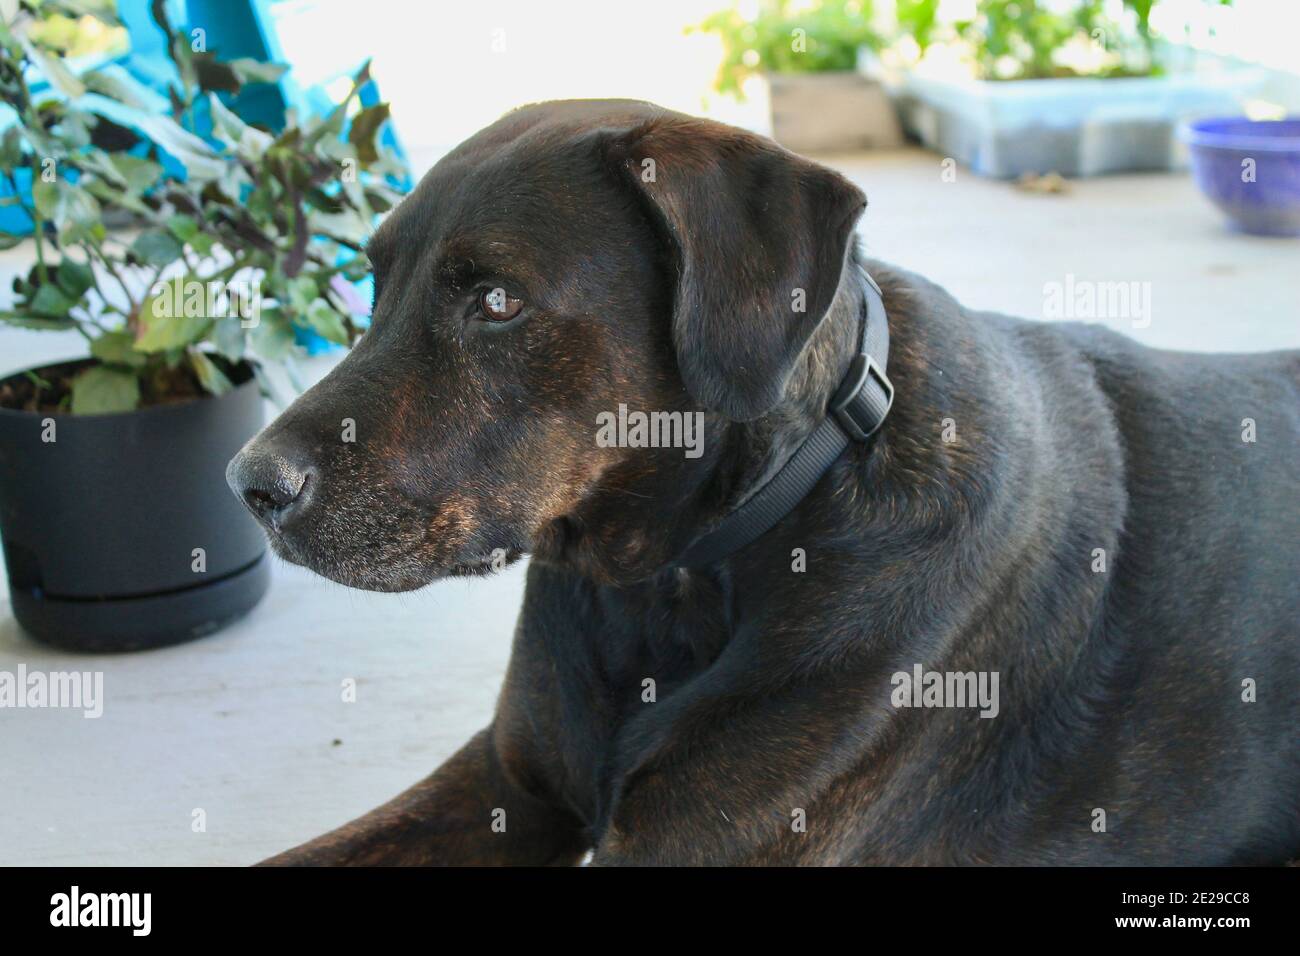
(466, 812)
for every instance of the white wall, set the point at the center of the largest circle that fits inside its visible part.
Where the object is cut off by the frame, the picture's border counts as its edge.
(450, 68)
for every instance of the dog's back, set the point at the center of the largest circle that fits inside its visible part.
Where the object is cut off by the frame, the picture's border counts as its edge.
(1127, 567)
(1204, 585)
(1196, 724)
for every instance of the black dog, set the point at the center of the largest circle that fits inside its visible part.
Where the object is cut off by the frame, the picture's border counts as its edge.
(1051, 506)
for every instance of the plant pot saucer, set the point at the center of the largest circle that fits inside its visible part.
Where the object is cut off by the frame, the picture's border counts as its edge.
(145, 622)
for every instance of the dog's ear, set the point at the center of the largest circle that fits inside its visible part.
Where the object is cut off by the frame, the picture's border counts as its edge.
(759, 237)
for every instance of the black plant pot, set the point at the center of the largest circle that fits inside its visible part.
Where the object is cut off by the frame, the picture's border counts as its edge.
(101, 525)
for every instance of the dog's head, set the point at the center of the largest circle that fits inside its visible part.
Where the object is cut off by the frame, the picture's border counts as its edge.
(571, 258)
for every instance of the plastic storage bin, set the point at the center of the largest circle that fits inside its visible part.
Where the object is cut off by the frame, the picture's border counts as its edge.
(1075, 127)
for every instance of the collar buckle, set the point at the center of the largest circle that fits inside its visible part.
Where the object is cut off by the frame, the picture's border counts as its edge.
(864, 398)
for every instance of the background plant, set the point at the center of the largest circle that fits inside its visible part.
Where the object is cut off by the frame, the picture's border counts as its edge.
(1023, 39)
(287, 213)
(1005, 39)
(833, 31)
(918, 19)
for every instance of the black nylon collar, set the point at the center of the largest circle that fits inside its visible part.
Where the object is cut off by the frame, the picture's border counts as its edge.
(854, 413)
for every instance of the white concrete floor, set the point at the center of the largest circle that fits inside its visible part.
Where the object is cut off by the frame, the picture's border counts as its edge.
(249, 725)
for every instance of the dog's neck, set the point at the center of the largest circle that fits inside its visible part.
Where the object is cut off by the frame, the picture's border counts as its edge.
(766, 445)
(625, 530)
(768, 467)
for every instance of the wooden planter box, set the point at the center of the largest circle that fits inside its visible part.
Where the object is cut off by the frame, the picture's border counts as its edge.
(831, 112)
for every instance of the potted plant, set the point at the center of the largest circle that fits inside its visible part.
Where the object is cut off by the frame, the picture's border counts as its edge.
(118, 530)
(1028, 86)
(808, 54)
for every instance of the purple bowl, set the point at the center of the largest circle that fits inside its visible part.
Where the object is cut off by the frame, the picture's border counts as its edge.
(1261, 196)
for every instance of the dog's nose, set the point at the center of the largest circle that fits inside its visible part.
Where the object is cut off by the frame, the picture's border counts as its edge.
(273, 486)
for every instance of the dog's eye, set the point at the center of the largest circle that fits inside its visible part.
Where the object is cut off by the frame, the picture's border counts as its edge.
(497, 305)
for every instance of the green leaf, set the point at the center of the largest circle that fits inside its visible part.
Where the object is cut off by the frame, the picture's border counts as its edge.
(348, 225)
(228, 337)
(231, 183)
(74, 278)
(317, 198)
(183, 227)
(111, 195)
(332, 124)
(161, 334)
(364, 129)
(356, 268)
(173, 316)
(117, 348)
(210, 376)
(198, 158)
(104, 10)
(255, 71)
(248, 142)
(53, 69)
(121, 169)
(100, 390)
(186, 229)
(138, 173)
(183, 57)
(11, 148)
(20, 320)
(272, 339)
(323, 318)
(74, 212)
(51, 302)
(156, 247)
(46, 197)
(261, 202)
(213, 76)
(73, 129)
(381, 200)
(302, 293)
(116, 83)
